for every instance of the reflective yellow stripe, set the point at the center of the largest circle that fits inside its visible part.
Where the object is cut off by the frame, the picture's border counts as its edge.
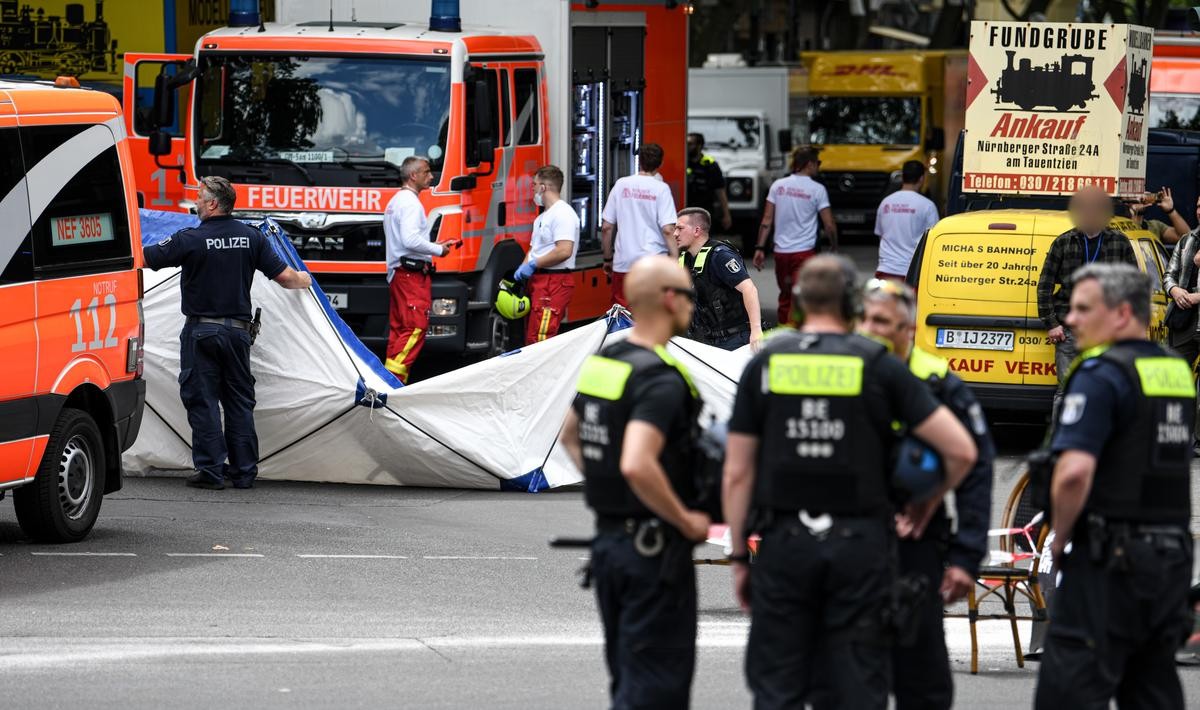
(1164, 377)
(670, 360)
(925, 365)
(395, 364)
(815, 374)
(545, 326)
(604, 378)
(701, 260)
(1088, 354)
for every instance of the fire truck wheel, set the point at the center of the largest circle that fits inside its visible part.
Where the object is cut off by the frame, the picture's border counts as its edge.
(63, 501)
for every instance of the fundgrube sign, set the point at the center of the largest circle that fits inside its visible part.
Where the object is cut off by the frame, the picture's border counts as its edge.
(1052, 107)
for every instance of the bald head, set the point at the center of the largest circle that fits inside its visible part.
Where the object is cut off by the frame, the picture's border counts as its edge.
(822, 285)
(657, 289)
(1091, 209)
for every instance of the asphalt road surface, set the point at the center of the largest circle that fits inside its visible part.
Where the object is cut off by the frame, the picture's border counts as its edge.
(302, 595)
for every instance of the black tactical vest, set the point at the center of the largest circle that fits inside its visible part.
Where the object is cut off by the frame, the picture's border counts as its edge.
(720, 312)
(603, 405)
(1143, 473)
(820, 450)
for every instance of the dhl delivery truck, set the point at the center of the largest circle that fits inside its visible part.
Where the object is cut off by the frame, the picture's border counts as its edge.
(311, 117)
(71, 328)
(869, 113)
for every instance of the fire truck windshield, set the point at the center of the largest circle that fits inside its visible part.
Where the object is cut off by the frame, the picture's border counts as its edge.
(855, 120)
(1175, 111)
(319, 120)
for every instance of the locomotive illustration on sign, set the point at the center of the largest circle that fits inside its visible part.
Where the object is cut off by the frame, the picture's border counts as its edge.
(1062, 85)
(34, 42)
(1137, 88)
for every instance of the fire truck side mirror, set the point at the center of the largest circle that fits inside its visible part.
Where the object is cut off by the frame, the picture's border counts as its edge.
(937, 139)
(160, 143)
(164, 102)
(785, 140)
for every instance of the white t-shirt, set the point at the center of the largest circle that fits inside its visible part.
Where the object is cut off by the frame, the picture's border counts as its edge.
(902, 218)
(558, 223)
(406, 229)
(797, 199)
(640, 207)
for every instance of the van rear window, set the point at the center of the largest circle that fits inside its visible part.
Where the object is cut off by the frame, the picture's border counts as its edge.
(978, 267)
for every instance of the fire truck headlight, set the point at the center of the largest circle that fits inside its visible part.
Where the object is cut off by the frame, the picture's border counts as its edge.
(444, 307)
(739, 187)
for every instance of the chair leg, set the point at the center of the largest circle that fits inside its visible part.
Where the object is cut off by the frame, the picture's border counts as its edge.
(1010, 607)
(972, 617)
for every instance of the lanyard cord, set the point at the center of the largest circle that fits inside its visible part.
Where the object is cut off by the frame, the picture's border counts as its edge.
(1087, 255)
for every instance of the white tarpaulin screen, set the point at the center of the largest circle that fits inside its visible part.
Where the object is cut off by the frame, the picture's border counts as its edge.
(328, 411)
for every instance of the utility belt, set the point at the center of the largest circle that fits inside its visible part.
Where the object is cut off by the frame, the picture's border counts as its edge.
(724, 333)
(764, 519)
(227, 322)
(1106, 540)
(418, 266)
(649, 534)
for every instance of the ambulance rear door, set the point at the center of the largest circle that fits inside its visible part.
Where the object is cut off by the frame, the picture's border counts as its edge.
(159, 187)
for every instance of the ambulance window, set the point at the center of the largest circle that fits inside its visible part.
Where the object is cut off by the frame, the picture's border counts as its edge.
(527, 104)
(505, 110)
(143, 99)
(17, 265)
(85, 227)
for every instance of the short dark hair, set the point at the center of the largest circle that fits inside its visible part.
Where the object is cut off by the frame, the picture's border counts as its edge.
(650, 157)
(912, 171)
(698, 136)
(221, 190)
(703, 218)
(551, 175)
(825, 285)
(803, 156)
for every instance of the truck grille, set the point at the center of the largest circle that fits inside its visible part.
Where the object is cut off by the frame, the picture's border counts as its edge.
(344, 242)
(854, 182)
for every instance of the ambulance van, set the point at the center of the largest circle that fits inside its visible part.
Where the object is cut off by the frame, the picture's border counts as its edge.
(71, 327)
(976, 278)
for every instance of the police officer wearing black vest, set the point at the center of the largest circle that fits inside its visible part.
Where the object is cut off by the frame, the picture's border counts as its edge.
(1120, 495)
(218, 260)
(947, 557)
(727, 314)
(631, 432)
(808, 451)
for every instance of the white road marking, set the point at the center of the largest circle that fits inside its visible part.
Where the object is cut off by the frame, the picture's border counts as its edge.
(214, 554)
(468, 557)
(84, 554)
(353, 557)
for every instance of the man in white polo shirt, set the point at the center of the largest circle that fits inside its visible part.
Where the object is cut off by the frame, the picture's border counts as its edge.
(641, 209)
(793, 205)
(552, 249)
(902, 218)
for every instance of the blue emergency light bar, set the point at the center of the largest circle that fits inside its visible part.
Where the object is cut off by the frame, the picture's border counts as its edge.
(243, 13)
(444, 16)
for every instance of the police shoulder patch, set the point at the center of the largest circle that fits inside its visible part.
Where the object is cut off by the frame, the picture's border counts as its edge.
(164, 242)
(733, 265)
(978, 423)
(1073, 406)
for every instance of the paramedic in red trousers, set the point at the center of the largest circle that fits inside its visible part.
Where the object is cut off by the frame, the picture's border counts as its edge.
(552, 249)
(641, 209)
(794, 204)
(410, 265)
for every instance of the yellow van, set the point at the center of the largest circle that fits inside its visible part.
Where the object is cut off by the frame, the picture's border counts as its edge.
(976, 281)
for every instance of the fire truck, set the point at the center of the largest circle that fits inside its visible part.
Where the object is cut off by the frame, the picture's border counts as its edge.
(311, 117)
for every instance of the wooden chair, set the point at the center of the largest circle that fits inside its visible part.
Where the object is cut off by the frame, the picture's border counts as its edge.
(1011, 571)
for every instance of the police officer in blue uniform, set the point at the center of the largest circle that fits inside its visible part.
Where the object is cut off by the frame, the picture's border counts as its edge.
(946, 562)
(808, 454)
(1120, 494)
(632, 432)
(218, 260)
(728, 314)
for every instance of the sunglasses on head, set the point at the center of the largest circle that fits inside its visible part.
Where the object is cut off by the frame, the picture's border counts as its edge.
(891, 288)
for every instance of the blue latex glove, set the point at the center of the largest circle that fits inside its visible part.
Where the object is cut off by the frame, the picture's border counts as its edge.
(525, 270)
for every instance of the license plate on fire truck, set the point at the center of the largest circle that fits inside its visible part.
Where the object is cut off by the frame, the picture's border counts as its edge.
(975, 339)
(338, 300)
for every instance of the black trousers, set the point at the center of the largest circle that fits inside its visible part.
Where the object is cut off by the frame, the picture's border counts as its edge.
(816, 604)
(649, 626)
(921, 671)
(1113, 633)
(215, 380)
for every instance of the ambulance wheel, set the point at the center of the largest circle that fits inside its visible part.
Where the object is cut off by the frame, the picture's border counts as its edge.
(63, 501)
